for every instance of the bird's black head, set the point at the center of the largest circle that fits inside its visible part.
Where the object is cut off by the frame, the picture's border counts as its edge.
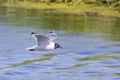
(58, 46)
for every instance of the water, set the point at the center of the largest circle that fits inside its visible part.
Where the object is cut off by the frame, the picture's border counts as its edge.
(91, 46)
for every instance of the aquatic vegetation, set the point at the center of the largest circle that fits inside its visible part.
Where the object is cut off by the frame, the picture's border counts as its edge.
(99, 57)
(97, 74)
(115, 66)
(72, 67)
(27, 62)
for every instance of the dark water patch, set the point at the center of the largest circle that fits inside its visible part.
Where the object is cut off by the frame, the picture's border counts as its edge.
(72, 67)
(88, 52)
(115, 44)
(117, 74)
(109, 62)
(98, 57)
(15, 73)
(100, 74)
(115, 66)
(27, 62)
(91, 72)
(7, 50)
(103, 47)
(39, 66)
(116, 52)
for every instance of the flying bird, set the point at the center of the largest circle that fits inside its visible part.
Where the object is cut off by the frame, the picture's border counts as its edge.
(44, 42)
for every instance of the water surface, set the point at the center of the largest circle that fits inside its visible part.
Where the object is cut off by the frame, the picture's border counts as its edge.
(91, 46)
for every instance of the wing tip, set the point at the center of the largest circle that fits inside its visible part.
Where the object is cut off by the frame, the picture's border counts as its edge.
(52, 32)
(33, 33)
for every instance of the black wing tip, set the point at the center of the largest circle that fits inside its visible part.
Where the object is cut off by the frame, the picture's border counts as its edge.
(31, 49)
(33, 33)
(52, 32)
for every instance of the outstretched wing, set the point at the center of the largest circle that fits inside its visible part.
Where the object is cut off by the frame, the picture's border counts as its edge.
(41, 40)
(52, 35)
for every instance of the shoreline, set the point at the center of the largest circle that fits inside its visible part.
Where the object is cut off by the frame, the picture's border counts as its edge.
(82, 9)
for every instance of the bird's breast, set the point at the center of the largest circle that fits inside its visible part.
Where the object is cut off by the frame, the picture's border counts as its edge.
(51, 46)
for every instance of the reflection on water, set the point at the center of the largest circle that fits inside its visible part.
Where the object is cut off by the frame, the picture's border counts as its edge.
(91, 46)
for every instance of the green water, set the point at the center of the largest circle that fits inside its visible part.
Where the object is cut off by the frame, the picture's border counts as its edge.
(91, 46)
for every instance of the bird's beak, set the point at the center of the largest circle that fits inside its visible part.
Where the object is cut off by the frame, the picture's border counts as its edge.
(61, 47)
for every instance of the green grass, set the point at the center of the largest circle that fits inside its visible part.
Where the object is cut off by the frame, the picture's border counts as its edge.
(67, 8)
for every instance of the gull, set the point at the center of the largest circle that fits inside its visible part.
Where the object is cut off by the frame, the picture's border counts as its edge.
(44, 42)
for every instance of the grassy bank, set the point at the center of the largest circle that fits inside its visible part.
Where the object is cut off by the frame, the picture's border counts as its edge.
(68, 8)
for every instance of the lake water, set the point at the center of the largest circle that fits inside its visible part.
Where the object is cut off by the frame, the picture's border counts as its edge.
(91, 46)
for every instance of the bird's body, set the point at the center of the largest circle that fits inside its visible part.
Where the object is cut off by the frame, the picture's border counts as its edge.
(42, 47)
(44, 42)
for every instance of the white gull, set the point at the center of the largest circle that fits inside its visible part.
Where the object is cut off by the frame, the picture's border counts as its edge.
(44, 42)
